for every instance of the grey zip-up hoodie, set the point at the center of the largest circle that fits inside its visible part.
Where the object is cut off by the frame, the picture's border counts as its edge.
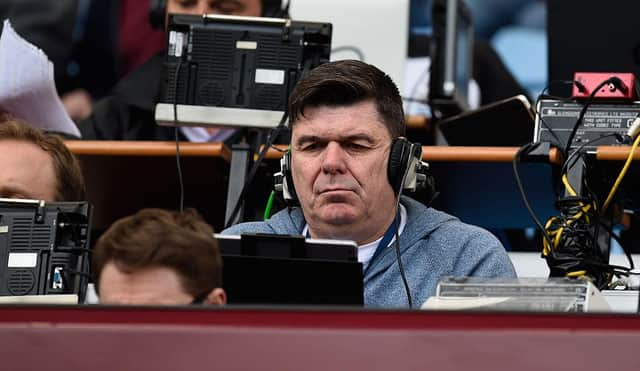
(433, 244)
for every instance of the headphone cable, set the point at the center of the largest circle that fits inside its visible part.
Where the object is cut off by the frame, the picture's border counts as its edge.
(175, 117)
(397, 232)
(269, 207)
(612, 80)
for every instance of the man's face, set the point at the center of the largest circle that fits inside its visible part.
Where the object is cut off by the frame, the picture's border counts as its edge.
(149, 286)
(27, 171)
(251, 8)
(339, 166)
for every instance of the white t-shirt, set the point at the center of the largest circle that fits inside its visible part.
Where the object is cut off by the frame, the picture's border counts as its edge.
(198, 134)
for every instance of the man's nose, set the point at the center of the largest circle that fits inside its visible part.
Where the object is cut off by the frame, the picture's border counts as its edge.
(334, 158)
(202, 7)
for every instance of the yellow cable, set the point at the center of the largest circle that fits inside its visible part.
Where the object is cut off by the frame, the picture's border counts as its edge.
(623, 172)
(546, 248)
(576, 274)
(568, 186)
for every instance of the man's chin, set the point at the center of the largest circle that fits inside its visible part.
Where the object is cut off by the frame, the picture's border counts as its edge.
(338, 215)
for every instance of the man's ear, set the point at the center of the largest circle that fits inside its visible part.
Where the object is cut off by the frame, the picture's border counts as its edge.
(217, 296)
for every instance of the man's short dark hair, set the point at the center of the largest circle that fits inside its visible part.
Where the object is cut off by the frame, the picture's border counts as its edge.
(69, 180)
(347, 82)
(156, 238)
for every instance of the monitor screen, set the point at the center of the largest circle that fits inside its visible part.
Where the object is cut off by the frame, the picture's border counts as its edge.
(374, 31)
(452, 58)
(236, 71)
(463, 61)
(591, 36)
(44, 247)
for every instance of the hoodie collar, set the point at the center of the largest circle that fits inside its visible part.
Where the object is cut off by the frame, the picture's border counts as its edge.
(421, 221)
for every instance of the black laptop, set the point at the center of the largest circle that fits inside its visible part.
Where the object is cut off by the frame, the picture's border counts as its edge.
(290, 270)
(509, 122)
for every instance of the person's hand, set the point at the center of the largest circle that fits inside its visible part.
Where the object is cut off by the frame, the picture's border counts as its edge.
(78, 104)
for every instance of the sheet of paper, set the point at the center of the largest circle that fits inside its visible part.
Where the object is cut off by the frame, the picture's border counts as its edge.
(27, 87)
(40, 299)
(460, 303)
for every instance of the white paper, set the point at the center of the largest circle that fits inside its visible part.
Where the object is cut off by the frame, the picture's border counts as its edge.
(460, 303)
(27, 87)
(40, 299)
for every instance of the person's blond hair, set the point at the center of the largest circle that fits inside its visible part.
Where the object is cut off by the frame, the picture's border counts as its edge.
(70, 184)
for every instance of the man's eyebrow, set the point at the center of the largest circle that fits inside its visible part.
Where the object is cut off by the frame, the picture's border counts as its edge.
(307, 139)
(347, 138)
(13, 191)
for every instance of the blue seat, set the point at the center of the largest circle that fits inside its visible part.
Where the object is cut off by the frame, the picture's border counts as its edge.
(524, 52)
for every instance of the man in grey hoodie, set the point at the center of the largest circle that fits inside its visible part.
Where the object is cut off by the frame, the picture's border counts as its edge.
(345, 119)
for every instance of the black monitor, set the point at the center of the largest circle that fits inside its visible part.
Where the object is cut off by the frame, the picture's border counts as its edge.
(451, 58)
(236, 71)
(591, 36)
(290, 270)
(507, 122)
(44, 247)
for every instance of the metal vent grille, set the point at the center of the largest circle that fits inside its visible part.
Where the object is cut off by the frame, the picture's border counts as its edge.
(270, 97)
(210, 93)
(218, 53)
(20, 282)
(273, 55)
(25, 236)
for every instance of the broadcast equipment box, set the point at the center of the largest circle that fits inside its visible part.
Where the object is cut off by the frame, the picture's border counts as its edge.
(236, 71)
(556, 119)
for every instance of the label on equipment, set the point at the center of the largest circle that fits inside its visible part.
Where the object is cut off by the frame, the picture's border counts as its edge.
(22, 260)
(265, 76)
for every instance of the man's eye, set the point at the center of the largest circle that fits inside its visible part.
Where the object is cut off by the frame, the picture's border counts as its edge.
(229, 10)
(187, 3)
(309, 147)
(228, 7)
(355, 146)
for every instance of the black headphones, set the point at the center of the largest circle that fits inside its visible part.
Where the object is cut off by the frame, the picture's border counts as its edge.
(270, 8)
(405, 171)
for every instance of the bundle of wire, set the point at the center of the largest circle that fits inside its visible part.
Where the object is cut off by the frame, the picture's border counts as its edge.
(571, 245)
(571, 248)
(570, 240)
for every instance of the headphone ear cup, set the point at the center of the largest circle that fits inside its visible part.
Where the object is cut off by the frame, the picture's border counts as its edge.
(288, 177)
(157, 13)
(397, 164)
(288, 190)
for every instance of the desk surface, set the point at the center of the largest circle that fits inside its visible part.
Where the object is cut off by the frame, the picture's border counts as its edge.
(616, 153)
(147, 148)
(417, 122)
(271, 339)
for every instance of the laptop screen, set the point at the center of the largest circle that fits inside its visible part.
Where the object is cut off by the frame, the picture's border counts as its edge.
(290, 270)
